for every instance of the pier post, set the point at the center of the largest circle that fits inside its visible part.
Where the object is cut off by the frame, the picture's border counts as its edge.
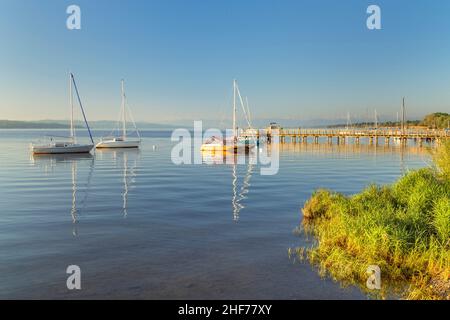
(437, 142)
(404, 141)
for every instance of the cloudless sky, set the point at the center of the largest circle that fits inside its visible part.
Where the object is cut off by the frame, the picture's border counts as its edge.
(294, 59)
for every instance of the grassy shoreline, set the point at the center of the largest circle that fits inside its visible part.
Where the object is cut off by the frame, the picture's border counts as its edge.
(404, 228)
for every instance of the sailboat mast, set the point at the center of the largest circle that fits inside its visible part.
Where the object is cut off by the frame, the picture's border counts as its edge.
(72, 133)
(348, 120)
(234, 109)
(376, 119)
(124, 114)
(248, 112)
(403, 116)
(81, 107)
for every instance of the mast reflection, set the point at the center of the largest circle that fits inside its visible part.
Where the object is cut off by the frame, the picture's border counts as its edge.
(127, 160)
(51, 161)
(239, 191)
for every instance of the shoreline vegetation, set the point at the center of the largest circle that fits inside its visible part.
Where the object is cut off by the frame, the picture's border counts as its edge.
(403, 228)
(437, 120)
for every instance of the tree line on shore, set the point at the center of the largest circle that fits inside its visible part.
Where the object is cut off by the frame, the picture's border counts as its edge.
(437, 120)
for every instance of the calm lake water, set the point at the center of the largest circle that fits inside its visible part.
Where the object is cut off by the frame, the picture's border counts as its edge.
(141, 227)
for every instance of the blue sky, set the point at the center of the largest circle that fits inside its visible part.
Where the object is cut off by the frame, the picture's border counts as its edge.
(296, 59)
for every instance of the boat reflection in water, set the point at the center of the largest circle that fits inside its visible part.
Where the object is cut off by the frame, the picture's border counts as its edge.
(49, 162)
(127, 160)
(351, 150)
(239, 189)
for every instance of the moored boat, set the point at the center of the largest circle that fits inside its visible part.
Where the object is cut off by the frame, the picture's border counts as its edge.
(122, 141)
(70, 146)
(234, 143)
(61, 147)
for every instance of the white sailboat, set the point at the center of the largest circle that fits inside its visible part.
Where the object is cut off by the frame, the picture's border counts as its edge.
(233, 143)
(122, 141)
(71, 146)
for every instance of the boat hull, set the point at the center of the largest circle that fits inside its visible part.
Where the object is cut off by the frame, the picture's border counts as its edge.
(117, 144)
(62, 149)
(226, 148)
(207, 147)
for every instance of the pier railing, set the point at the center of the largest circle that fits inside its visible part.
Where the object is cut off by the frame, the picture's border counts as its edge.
(342, 134)
(360, 132)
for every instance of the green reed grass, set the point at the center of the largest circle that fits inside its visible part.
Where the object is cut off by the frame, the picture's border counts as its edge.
(403, 228)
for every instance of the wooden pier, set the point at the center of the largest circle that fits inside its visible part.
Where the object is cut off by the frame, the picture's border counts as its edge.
(355, 135)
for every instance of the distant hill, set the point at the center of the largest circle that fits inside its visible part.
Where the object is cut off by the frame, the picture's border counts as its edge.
(64, 124)
(9, 124)
(109, 125)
